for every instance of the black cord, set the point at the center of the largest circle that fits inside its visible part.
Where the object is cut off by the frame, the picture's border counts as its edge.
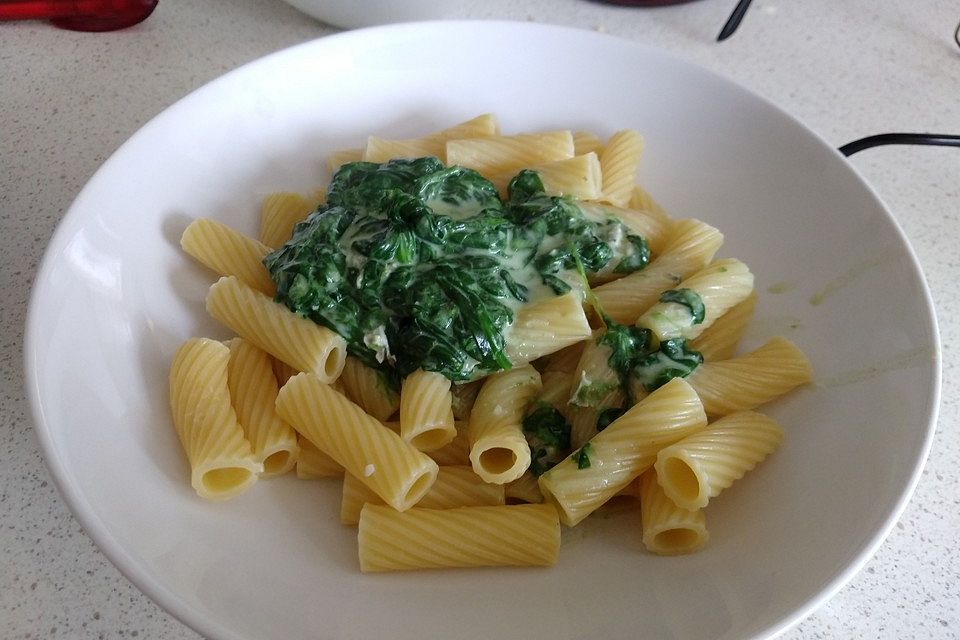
(933, 139)
(956, 35)
(734, 20)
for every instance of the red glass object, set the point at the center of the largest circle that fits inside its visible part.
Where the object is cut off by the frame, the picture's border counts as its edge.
(80, 15)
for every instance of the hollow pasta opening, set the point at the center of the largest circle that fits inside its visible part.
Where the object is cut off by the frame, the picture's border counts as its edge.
(676, 540)
(430, 440)
(498, 460)
(276, 462)
(333, 363)
(225, 479)
(418, 488)
(682, 479)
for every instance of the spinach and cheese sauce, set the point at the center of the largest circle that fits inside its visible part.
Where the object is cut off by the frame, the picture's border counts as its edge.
(418, 265)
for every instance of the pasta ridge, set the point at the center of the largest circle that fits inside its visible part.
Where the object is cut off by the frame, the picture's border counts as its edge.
(618, 160)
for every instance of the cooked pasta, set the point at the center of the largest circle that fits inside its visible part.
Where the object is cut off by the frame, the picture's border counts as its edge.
(618, 161)
(750, 380)
(716, 288)
(699, 467)
(719, 341)
(668, 530)
(509, 535)
(279, 212)
(297, 341)
(496, 155)
(545, 327)
(390, 467)
(426, 410)
(221, 461)
(499, 451)
(228, 253)
(253, 392)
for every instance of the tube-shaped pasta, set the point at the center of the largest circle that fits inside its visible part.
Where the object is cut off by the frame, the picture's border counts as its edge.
(228, 253)
(577, 177)
(702, 465)
(313, 463)
(545, 327)
(619, 160)
(298, 341)
(456, 486)
(691, 247)
(279, 213)
(506, 535)
(719, 287)
(253, 392)
(426, 410)
(369, 388)
(499, 451)
(500, 154)
(392, 468)
(221, 461)
(750, 380)
(580, 483)
(668, 530)
(719, 341)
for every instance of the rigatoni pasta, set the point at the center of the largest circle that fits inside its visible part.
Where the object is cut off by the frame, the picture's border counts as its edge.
(512, 535)
(390, 467)
(221, 460)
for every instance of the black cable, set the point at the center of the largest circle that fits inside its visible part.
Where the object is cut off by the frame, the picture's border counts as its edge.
(933, 139)
(734, 20)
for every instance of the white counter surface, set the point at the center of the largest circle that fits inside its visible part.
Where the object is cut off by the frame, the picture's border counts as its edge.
(846, 69)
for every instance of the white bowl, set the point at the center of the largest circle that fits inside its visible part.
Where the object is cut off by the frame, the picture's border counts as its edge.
(350, 14)
(115, 296)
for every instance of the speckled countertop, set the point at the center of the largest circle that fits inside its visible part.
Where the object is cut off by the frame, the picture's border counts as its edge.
(847, 69)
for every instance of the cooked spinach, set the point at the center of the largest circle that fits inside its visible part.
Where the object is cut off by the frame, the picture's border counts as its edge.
(431, 259)
(688, 298)
(672, 360)
(548, 435)
(582, 456)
